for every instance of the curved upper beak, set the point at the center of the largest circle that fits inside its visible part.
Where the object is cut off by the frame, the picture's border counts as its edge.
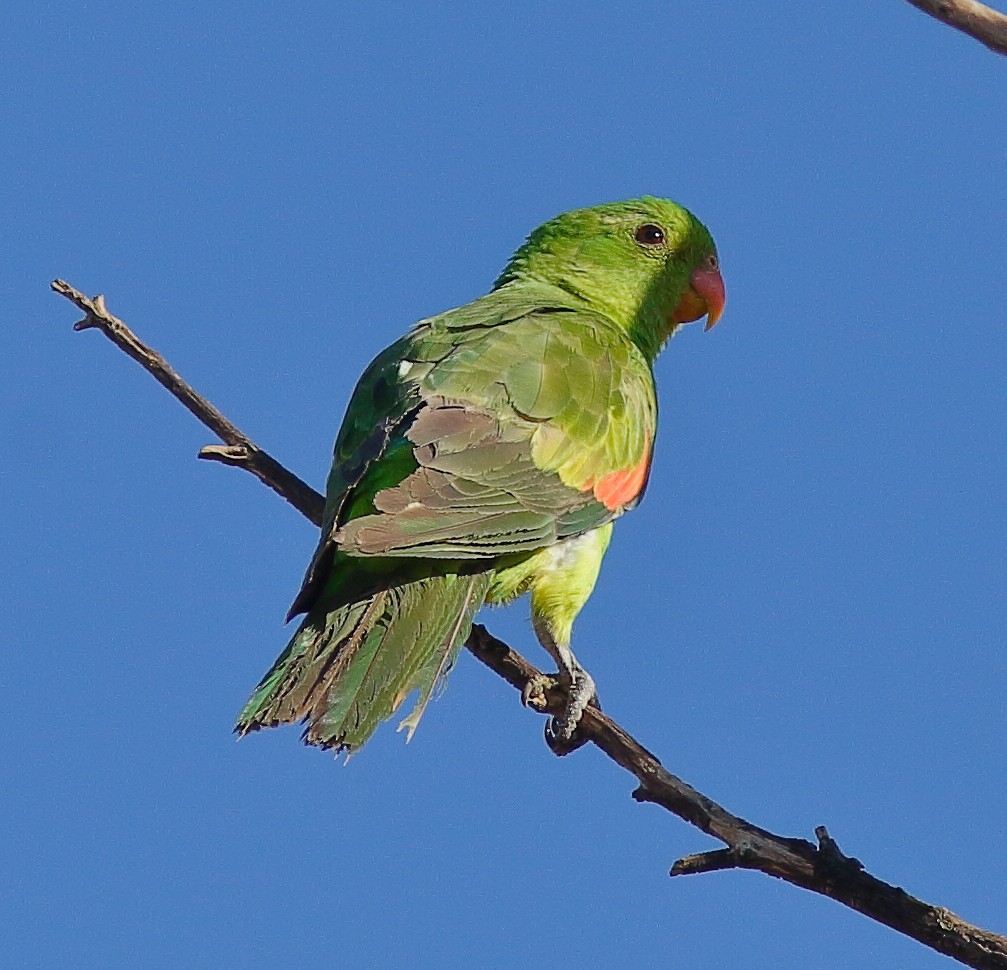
(709, 284)
(704, 297)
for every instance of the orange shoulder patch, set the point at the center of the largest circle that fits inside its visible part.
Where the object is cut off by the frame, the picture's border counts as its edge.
(620, 487)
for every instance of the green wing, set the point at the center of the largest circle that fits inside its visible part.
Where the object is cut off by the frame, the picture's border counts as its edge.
(488, 430)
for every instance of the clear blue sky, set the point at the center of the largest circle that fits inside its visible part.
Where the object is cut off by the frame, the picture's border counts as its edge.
(806, 618)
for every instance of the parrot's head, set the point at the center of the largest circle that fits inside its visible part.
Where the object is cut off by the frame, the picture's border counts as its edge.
(648, 264)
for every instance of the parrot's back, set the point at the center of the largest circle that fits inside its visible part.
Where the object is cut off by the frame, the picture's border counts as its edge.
(477, 439)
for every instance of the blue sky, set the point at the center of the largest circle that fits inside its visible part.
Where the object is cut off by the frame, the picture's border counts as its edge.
(805, 618)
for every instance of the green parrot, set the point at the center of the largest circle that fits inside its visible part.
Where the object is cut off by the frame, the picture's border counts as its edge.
(484, 455)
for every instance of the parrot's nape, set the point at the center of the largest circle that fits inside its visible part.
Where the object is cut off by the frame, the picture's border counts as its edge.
(484, 455)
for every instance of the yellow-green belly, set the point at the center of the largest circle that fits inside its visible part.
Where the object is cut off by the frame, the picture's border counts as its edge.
(560, 579)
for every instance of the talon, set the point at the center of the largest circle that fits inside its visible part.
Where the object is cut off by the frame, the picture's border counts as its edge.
(534, 692)
(564, 746)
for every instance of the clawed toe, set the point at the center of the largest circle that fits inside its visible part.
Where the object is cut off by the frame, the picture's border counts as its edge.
(535, 691)
(563, 732)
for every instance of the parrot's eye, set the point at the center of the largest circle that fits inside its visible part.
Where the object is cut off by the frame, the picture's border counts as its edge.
(650, 235)
(711, 261)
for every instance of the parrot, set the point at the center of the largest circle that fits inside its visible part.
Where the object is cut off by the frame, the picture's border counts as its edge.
(484, 455)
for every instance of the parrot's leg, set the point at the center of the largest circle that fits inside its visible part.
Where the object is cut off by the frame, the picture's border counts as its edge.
(579, 684)
(559, 589)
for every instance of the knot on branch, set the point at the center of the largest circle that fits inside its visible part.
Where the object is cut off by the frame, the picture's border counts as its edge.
(830, 860)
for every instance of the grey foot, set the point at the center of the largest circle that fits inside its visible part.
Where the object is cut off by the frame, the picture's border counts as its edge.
(561, 732)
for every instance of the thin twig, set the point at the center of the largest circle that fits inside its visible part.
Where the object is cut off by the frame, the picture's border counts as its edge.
(238, 450)
(820, 868)
(986, 25)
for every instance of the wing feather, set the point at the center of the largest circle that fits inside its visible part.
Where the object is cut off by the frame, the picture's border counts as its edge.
(490, 430)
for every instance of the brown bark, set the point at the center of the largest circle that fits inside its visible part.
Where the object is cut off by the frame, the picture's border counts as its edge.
(986, 25)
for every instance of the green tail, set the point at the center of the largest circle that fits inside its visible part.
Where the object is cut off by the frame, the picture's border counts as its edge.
(349, 668)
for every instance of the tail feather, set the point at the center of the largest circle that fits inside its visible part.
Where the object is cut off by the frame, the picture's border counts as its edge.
(438, 665)
(348, 668)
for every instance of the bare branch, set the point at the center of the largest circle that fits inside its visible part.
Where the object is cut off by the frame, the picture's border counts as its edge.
(820, 868)
(986, 25)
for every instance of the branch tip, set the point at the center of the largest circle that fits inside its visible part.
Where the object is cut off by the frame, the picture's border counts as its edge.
(235, 455)
(713, 861)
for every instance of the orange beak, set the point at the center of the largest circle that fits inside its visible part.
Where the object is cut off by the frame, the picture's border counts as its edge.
(704, 297)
